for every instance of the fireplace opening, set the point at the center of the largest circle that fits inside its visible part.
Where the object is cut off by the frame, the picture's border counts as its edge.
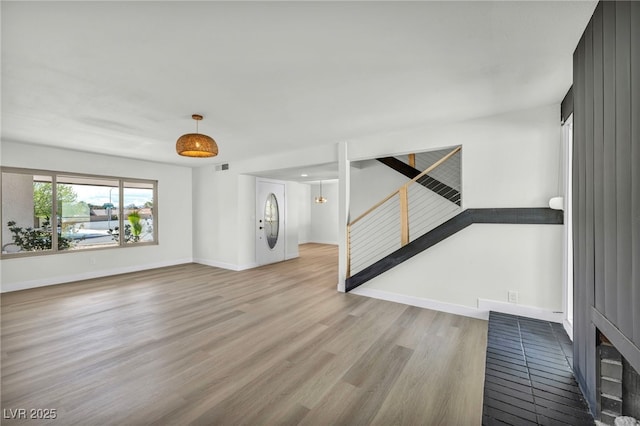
(618, 384)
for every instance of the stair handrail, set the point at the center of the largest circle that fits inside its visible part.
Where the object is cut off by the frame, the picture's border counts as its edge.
(406, 185)
(404, 210)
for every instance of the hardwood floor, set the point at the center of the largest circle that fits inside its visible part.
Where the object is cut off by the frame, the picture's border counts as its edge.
(271, 345)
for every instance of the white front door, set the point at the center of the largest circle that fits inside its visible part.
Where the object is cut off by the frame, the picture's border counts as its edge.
(270, 218)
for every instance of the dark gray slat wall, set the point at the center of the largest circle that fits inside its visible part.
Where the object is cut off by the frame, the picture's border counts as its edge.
(598, 158)
(635, 165)
(608, 11)
(589, 216)
(566, 106)
(588, 194)
(606, 183)
(623, 167)
(583, 355)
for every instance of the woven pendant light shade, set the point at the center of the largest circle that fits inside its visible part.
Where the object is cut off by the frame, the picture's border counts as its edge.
(196, 144)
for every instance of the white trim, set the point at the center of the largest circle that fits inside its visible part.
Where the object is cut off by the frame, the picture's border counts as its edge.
(331, 243)
(481, 312)
(568, 328)
(521, 310)
(224, 265)
(422, 302)
(344, 189)
(566, 157)
(66, 279)
(289, 256)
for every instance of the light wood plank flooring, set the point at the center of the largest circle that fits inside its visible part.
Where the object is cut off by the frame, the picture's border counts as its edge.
(193, 344)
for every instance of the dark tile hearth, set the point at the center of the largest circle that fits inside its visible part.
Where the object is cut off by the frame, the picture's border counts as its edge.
(528, 376)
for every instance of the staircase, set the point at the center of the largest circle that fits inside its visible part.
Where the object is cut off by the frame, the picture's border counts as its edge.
(430, 198)
(420, 214)
(429, 182)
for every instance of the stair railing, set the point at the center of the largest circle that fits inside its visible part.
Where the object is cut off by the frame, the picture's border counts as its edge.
(402, 216)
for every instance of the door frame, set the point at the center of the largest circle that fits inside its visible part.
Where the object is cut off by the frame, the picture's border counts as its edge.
(567, 288)
(282, 213)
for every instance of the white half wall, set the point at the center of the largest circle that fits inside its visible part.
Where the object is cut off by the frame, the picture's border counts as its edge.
(173, 221)
(485, 261)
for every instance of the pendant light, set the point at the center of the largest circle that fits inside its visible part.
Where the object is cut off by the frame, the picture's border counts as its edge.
(320, 199)
(196, 144)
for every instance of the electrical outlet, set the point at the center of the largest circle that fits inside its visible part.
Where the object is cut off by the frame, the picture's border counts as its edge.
(512, 296)
(92, 260)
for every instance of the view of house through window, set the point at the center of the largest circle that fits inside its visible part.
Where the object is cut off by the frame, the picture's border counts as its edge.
(27, 210)
(138, 209)
(87, 212)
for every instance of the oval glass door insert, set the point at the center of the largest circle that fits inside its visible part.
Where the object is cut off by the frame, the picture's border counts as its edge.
(271, 220)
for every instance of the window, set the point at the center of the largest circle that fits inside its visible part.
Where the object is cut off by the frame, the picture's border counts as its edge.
(86, 212)
(138, 209)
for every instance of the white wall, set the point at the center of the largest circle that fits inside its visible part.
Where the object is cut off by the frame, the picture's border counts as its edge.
(371, 181)
(174, 219)
(324, 217)
(299, 215)
(216, 218)
(509, 160)
(224, 207)
(489, 261)
(246, 221)
(301, 196)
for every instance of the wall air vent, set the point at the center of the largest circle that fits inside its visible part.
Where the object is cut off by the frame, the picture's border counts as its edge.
(221, 167)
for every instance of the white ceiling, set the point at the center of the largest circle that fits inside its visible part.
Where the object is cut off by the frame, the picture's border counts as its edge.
(123, 78)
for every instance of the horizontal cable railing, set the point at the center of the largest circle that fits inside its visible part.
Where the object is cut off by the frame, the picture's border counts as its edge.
(406, 214)
(427, 211)
(448, 173)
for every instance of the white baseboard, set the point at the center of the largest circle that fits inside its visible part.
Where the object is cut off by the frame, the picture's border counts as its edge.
(65, 279)
(224, 265)
(520, 310)
(481, 312)
(231, 266)
(422, 302)
(333, 243)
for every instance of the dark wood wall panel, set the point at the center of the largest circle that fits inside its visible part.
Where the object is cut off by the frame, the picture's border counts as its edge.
(598, 159)
(606, 197)
(623, 165)
(588, 175)
(581, 318)
(609, 173)
(588, 226)
(566, 106)
(635, 166)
